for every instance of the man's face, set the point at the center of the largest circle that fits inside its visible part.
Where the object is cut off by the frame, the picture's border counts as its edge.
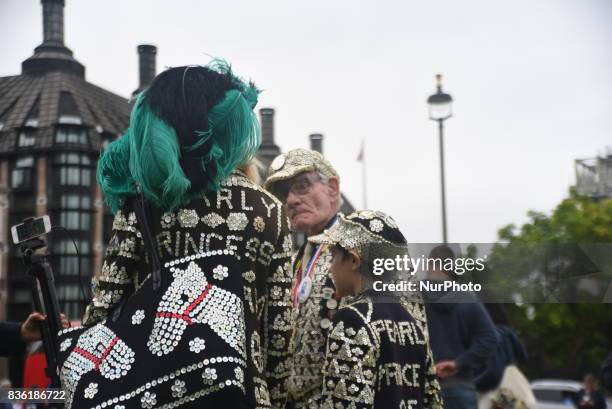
(309, 201)
(589, 383)
(343, 272)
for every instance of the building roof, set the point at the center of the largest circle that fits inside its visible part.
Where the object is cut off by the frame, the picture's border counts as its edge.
(52, 90)
(52, 98)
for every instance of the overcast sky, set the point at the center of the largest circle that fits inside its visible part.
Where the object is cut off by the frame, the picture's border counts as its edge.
(531, 82)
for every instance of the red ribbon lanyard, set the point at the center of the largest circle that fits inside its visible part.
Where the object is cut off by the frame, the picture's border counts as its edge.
(309, 270)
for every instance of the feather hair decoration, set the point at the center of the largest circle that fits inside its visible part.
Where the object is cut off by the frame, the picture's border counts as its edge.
(149, 154)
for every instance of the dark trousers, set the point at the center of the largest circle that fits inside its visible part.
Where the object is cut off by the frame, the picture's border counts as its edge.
(459, 398)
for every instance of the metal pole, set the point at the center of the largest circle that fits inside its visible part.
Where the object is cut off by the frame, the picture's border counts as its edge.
(441, 129)
(363, 177)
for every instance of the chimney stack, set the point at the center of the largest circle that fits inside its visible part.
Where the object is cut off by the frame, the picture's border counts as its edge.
(316, 142)
(53, 22)
(267, 125)
(146, 58)
(52, 54)
(268, 149)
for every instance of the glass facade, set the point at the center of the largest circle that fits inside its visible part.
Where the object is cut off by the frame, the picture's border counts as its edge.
(71, 134)
(21, 175)
(71, 208)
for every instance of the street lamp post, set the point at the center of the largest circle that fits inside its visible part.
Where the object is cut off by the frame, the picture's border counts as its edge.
(440, 109)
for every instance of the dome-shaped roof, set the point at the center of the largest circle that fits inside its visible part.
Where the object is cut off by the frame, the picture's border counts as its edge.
(40, 102)
(52, 90)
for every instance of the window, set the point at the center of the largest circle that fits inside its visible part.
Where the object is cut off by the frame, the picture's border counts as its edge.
(74, 220)
(32, 122)
(554, 395)
(70, 119)
(71, 134)
(74, 201)
(73, 169)
(26, 137)
(21, 175)
(67, 262)
(22, 295)
(75, 212)
(69, 296)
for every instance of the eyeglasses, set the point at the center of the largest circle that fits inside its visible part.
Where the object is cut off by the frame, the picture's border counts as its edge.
(300, 186)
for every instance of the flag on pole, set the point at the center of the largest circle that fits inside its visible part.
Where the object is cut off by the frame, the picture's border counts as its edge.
(361, 158)
(361, 153)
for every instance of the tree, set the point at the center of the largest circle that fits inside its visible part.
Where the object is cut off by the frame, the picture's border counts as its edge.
(557, 270)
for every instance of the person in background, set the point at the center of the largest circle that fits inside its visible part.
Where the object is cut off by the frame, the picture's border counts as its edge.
(461, 333)
(15, 335)
(500, 382)
(606, 373)
(5, 386)
(590, 397)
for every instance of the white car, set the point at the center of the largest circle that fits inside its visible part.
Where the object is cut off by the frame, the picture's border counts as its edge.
(557, 393)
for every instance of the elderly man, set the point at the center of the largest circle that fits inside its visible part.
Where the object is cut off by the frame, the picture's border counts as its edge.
(309, 187)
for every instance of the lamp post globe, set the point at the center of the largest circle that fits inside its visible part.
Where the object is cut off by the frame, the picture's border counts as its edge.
(440, 109)
(440, 103)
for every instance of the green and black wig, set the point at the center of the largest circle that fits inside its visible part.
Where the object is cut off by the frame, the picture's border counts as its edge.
(188, 131)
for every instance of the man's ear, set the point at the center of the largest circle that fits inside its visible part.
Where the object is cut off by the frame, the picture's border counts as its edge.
(355, 260)
(334, 186)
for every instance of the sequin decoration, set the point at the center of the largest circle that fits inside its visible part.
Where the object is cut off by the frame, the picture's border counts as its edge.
(259, 224)
(278, 162)
(209, 376)
(113, 246)
(390, 222)
(178, 389)
(249, 276)
(197, 345)
(220, 272)
(138, 317)
(148, 400)
(122, 223)
(256, 354)
(213, 220)
(113, 273)
(239, 374)
(237, 221)
(188, 218)
(65, 344)
(308, 341)
(191, 299)
(97, 349)
(167, 220)
(278, 341)
(276, 292)
(91, 390)
(353, 235)
(376, 226)
(363, 214)
(287, 244)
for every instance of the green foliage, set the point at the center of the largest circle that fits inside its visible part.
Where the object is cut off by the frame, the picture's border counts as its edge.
(547, 262)
(576, 219)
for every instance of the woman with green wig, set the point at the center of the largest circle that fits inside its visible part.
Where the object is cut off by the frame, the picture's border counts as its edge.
(191, 307)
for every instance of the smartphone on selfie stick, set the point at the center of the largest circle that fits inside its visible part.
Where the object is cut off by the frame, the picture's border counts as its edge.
(29, 236)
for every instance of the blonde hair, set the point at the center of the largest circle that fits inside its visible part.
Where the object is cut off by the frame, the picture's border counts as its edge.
(253, 170)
